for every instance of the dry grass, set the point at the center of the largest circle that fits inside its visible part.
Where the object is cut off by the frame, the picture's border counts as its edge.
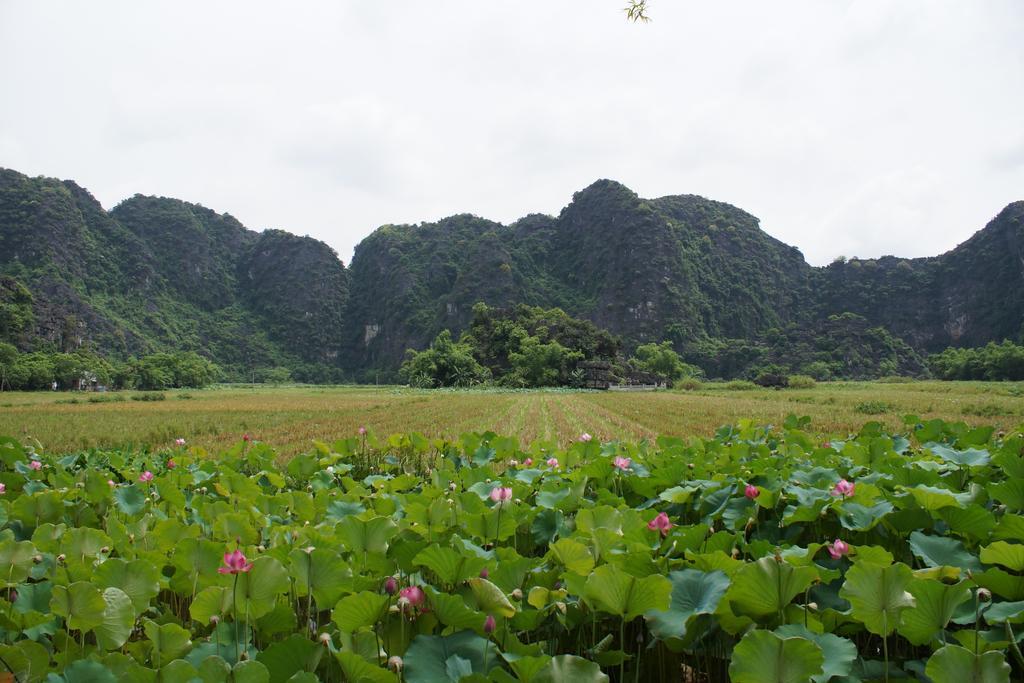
(292, 417)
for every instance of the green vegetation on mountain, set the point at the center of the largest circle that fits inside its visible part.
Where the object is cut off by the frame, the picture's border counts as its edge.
(157, 275)
(991, 362)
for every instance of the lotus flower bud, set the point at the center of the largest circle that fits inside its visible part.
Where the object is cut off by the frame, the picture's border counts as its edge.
(984, 595)
(517, 594)
(395, 664)
(214, 620)
(390, 585)
(490, 624)
(484, 573)
(325, 639)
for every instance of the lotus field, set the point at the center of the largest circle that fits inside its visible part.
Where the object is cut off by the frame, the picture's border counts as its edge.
(761, 555)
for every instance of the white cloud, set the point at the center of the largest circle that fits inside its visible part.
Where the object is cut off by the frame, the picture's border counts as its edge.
(848, 126)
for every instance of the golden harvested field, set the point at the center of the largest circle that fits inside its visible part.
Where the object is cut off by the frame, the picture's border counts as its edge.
(291, 418)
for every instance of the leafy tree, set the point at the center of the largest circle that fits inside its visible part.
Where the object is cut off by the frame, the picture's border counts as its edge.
(539, 364)
(661, 359)
(278, 375)
(8, 359)
(990, 362)
(445, 364)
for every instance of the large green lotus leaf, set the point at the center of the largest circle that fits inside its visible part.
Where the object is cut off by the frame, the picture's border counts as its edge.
(324, 570)
(257, 589)
(363, 537)
(195, 565)
(170, 641)
(878, 595)
(693, 593)
(603, 517)
(138, 578)
(88, 671)
(29, 661)
(490, 599)
(451, 566)
(764, 588)
(178, 671)
(610, 589)
(840, 653)
(130, 499)
(214, 669)
(937, 551)
(972, 521)
(15, 560)
(933, 498)
(82, 543)
(427, 659)
(954, 664)
(1002, 583)
(763, 657)
(1010, 492)
(361, 610)
(1001, 612)
(81, 604)
(1009, 555)
(972, 457)
(250, 672)
(573, 555)
(214, 601)
(358, 669)
(569, 669)
(118, 620)
(935, 604)
(451, 610)
(857, 517)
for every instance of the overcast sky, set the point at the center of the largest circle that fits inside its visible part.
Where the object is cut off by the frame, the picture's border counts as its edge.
(853, 127)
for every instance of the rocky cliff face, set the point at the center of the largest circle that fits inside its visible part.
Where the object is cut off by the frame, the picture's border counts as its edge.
(157, 273)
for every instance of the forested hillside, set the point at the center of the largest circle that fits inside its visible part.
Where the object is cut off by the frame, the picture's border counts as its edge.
(156, 274)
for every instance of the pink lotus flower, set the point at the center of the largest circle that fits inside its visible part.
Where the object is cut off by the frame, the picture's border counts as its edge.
(553, 463)
(751, 491)
(3, 489)
(490, 624)
(528, 462)
(235, 563)
(146, 476)
(179, 442)
(500, 494)
(660, 523)
(585, 438)
(844, 488)
(390, 585)
(484, 573)
(171, 464)
(362, 431)
(35, 464)
(414, 594)
(837, 549)
(622, 463)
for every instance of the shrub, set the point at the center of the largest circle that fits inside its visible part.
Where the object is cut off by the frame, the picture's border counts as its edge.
(873, 407)
(689, 384)
(740, 385)
(801, 382)
(772, 380)
(149, 396)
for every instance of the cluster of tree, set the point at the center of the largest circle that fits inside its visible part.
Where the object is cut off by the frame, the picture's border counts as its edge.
(82, 369)
(528, 346)
(990, 362)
